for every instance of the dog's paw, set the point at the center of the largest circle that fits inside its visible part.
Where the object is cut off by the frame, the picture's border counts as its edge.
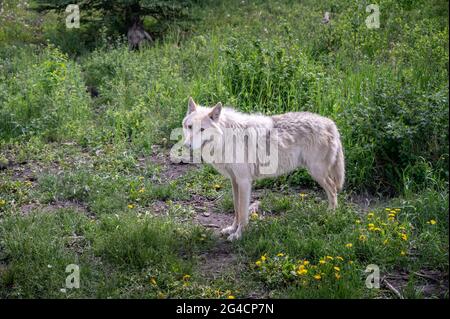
(228, 230)
(234, 236)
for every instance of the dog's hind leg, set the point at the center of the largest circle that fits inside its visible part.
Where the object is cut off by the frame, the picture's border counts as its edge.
(321, 177)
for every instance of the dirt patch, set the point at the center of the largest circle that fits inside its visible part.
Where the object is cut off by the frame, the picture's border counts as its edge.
(428, 283)
(52, 207)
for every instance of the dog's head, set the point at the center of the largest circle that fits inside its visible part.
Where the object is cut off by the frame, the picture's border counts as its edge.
(200, 123)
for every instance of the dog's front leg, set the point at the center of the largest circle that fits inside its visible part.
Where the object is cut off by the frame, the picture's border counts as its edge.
(231, 229)
(243, 201)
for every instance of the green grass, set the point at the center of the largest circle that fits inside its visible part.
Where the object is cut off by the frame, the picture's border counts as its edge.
(80, 182)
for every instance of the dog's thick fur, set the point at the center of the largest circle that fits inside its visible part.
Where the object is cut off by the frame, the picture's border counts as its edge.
(304, 140)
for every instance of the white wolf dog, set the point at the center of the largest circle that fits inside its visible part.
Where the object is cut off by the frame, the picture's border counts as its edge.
(296, 139)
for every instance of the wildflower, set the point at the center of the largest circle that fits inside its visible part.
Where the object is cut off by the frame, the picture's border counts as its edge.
(387, 209)
(130, 206)
(254, 216)
(306, 263)
(349, 245)
(2, 202)
(397, 210)
(231, 297)
(402, 253)
(391, 215)
(329, 257)
(337, 268)
(431, 222)
(322, 261)
(391, 219)
(377, 229)
(358, 221)
(385, 242)
(263, 257)
(350, 262)
(302, 195)
(370, 226)
(153, 281)
(317, 277)
(404, 236)
(370, 215)
(258, 263)
(337, 276)
(217, 186)
(142, 190)
(339, 258)
(280, 254)
(186, 277)
(362, 237)
(302, 271)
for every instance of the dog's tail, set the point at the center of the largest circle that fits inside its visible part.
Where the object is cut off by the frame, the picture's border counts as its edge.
(337, 170)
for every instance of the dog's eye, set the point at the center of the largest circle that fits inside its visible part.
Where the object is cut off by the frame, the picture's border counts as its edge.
(190, 127)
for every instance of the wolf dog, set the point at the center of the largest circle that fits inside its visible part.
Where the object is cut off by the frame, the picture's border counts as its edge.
(295, 139)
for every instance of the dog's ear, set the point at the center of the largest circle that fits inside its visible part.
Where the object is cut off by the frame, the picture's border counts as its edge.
(191, 105)
(215, 112)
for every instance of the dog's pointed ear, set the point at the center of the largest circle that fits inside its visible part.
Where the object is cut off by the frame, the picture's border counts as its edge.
(191, 105)
(215, 112)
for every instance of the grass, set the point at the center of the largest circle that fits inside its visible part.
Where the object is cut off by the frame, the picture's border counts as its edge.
(82, 181)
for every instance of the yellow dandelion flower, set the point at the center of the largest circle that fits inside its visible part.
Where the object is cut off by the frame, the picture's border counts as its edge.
(371, 226)
(217, 186)
(362, 237)
(130, 206)
(349, 245)
(258, 263)
(263, 257)
(317, 277)
(337, 268)
(397, 210)
(142, 190)
(391, 215)
(306, 263)
(280, 254)
(302, 271)
(322, 261)
(402, 253)
(153, 281)
(370, 215)
(329, 258)
(302, 195)
(231, 297)
(2, 202)
(254, 216)
(186, 277)
(404, 236)
(385, 242)
(387, 209)
(432, 222)
(339, 258)
(358, 221)
(338, 276)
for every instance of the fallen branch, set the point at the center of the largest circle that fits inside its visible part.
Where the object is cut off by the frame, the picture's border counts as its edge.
(393, 289)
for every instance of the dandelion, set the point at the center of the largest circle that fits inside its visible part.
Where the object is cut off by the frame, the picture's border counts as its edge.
(306, 263)
(217, 186)
(431, 222)
(385, 242)
(254, 216)
(231, 297)
(142, 190)
(404, 236)
(317, 277)
(258, 263)
(370, 215)
(349, 245)
(391, 215)
(263, 257)
(387, 209)
(370, 226)
(358, 221)
(339, 258)
(329, 257)
(302, 195)
(302, 271)
(337, 268)
(153, 281)
(186, 277)
(130, 206)
(280, 254)
(322, 261)
(2, 202)
(362, 237)
(338, 276)
(402, 253)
